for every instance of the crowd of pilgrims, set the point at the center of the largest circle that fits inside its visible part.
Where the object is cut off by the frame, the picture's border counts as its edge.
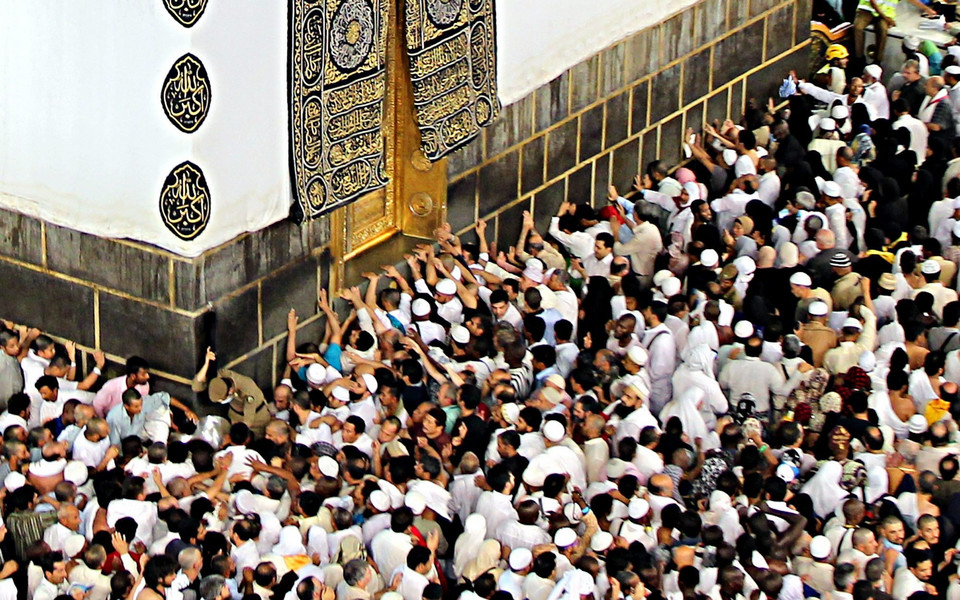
(737, 380)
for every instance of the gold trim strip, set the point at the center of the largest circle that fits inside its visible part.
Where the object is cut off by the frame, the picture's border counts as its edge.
(172, 281)
(382, 237)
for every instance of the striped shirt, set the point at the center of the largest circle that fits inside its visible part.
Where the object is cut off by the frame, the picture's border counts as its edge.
(26, 528)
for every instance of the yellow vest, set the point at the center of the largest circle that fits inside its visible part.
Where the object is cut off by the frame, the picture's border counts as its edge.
(888, 8)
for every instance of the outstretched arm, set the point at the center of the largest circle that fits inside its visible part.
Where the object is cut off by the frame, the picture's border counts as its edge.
(333, 321)
(94, 375)
(291, 335)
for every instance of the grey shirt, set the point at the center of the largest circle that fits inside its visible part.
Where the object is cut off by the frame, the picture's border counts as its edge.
(11, 378)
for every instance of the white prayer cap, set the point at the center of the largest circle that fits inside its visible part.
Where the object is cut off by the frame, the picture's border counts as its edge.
(820, 547)
(828, 124)
(534, 476)
(341, 393)
(73, 545)
(572, 512)
(510, 412)
(520, 559)
(316, 374)
(953, 51)
(637, 383)
(802, 279)
(868, 361)
(553, 431)
(671, 287)
(14, 481)
(392, 596)
(874, 71)
(832, 189)
(420, 307)
(693, 190)
(447, 287)
(917, 424)
(328, 466)
(581, 584)
(48, 468)
(709, 258)
(565, 537)
(460, 334)
(616, 468)
(660, 276)
(371, 382)
(415, 502)
(930, 267)
(953, 70)
(851, 323)
(638, 508)
(729, 157)
(786, 473)
(839, 112)
(551, 395)
(638, 355)
(332, 373)
(817, 308)
(455, 273)
(380, 500)
(392, 492)
(601, 541)
(746, 266)
(533, 270)
(911, 42)
(743, 329)
(557, 381)
(75, 472)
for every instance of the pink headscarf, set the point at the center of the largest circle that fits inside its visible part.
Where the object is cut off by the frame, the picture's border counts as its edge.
(685, 175)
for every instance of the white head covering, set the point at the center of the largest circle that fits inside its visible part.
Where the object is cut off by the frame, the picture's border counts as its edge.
(468, 544)
(487, 558)
(700, 358)
(291, 542)
(684, 407)
(574, 584)
(824, 488)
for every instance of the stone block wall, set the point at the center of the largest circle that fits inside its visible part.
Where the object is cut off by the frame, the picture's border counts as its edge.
(603, 120)
(129, 299)
(598, 123)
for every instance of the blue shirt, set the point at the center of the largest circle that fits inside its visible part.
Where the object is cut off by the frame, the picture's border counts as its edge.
(122, 425)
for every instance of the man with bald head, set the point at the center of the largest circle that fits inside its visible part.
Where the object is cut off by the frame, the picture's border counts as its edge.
(68, 524)
(93, 448)
(596, 452)
(819, 266)
(936, 111)
(81, 416)
(660, 486)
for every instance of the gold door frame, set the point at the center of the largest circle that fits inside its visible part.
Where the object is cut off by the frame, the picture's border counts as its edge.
(414, 202)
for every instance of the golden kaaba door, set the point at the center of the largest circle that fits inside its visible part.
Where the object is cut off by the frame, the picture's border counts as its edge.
(414, 201)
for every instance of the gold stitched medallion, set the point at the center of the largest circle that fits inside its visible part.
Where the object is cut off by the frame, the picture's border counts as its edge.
(186, 12)
(185, 95)
(185, 201)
